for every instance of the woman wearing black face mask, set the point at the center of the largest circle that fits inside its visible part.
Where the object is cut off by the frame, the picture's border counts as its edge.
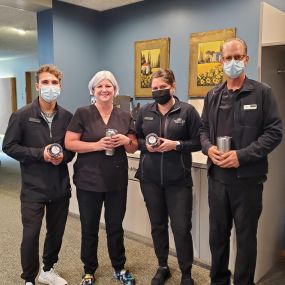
(165, 172)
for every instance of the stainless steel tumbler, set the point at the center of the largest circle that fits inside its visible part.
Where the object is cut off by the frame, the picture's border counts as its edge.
(224, 143)
(110, 133)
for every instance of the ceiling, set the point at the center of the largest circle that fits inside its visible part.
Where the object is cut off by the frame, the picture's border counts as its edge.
(18, 23)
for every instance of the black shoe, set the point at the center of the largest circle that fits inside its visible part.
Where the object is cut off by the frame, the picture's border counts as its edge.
(186, 280)
(161, 275)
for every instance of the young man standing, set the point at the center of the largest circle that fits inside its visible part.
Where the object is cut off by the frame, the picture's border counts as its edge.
(35, 137)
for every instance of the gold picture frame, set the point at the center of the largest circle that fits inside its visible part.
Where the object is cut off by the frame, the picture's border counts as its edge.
(205, 70)
(150, 55)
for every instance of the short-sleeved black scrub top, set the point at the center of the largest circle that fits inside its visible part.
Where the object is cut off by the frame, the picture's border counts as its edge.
(95, 171)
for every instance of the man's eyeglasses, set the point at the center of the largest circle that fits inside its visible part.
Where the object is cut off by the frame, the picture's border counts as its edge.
(235, 57)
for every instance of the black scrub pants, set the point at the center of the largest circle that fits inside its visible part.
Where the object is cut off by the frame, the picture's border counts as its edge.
(241, 203)
(90, 206)
(32, 216)
(174, 202)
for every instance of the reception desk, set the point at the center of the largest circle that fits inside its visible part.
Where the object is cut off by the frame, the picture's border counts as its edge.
(137, 225)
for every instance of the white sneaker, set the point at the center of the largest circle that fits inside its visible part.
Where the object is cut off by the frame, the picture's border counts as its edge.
(51, 278)
(29, 283)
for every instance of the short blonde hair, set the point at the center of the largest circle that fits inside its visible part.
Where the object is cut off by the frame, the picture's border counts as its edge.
(101, 75)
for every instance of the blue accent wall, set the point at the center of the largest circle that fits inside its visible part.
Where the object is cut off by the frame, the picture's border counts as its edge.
(45, 36)
(76, 51)
(86, 41)
(174, 19)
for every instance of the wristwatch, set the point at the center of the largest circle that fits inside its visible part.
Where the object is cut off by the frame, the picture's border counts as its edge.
(178, 146)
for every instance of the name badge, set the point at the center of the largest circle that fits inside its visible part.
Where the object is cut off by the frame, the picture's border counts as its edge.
(34, 120)
(250, 107)
(179, 121)
(148, 118)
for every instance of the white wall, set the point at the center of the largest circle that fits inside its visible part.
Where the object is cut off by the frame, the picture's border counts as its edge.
(271, 224)
(273, 23)
(6, 103)
(17, 68)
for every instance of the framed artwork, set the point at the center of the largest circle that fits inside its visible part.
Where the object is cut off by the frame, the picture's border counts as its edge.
(205, 70)
(150, 55)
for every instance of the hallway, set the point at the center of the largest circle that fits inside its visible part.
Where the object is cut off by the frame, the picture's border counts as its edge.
(141, 260)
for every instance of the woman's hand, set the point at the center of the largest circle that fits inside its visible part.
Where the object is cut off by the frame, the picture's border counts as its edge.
(104, 144)
(164, 145)
(119, 139)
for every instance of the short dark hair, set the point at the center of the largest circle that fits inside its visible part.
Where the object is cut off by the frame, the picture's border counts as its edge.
(167, 75)
(50, 69)
(238, 40)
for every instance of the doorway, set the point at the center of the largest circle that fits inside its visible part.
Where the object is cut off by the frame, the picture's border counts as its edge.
(273, 73)
(8, 97)
(31, 93)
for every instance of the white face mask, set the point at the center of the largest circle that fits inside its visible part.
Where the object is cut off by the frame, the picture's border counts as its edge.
(49, 93)
(234, 68)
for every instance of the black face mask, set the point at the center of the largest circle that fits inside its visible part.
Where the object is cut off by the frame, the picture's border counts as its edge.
(161, 96)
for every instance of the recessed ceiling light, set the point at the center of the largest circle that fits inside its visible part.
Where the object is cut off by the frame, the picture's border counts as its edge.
(20, 31)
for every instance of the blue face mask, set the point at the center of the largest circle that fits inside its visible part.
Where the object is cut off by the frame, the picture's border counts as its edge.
(234, 68)
(49, 93)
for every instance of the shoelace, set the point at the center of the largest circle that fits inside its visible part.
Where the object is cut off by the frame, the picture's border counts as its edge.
(53, 274)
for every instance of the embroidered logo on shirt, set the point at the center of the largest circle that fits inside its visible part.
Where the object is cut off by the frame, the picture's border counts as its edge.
(179, 121)
(148, 118)
(35, 120)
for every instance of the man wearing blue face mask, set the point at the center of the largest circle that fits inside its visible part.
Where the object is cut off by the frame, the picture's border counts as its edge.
(35, 137)
(244, 110)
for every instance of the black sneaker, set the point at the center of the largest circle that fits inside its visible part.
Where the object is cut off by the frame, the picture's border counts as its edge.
(125, 277)
(186, 280)
(161, 275)
(88, 279)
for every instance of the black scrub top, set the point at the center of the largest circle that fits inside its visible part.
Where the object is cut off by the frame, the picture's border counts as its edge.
(95, 171)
